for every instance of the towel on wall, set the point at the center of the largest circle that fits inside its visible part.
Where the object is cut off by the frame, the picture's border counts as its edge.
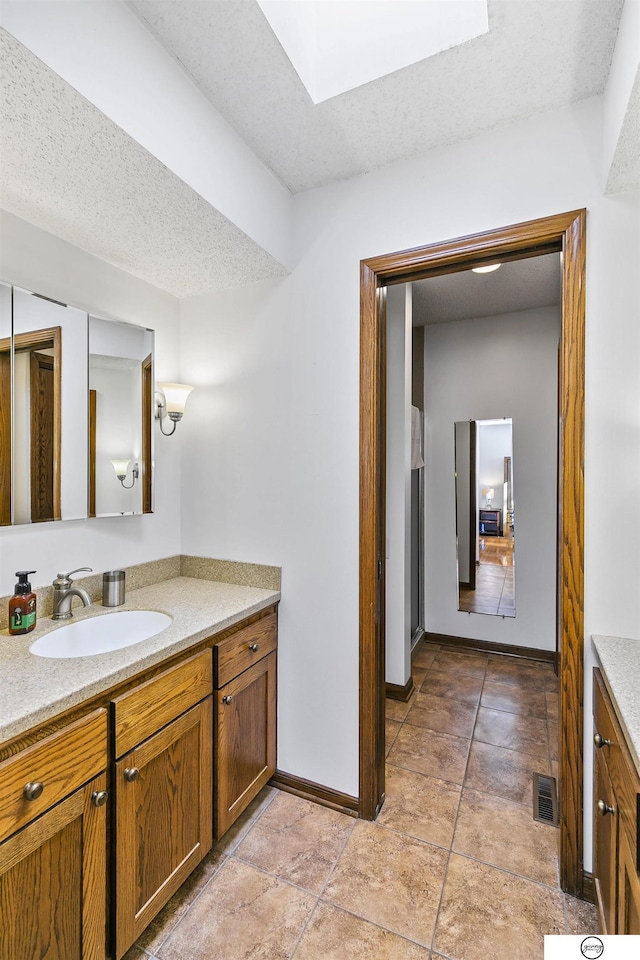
(416, 440)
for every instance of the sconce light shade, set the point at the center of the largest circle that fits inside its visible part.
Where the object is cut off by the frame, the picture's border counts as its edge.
(490, 494)
(175, 398)
(120, 468)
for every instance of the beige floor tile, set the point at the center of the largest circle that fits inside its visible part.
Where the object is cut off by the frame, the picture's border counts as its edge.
(554, 740)
(396, 709)
(296, 840)
(487, 913)
(503, 773)
(242, 913)
(530, 673)
(333, 934)
(469, 664)
(423, 656)
(160, 927)
(391, 880)
(526, 735)
(435, 754)
(135, 953)
(452, 685)
(514, 699)
(418, 676)
(235, 833)
(504, 834)
(391, 729)
(582, 917)
(553, 702)
(443, 715)
(419, 806)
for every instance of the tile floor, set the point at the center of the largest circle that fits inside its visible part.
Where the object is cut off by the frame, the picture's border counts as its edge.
(455, 866)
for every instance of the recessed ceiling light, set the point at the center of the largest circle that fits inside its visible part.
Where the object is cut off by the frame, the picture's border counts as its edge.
(489, 269)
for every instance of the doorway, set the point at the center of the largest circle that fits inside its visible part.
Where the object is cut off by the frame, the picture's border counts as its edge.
(563, 233)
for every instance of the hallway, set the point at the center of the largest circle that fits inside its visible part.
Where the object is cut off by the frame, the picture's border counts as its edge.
(455, 864)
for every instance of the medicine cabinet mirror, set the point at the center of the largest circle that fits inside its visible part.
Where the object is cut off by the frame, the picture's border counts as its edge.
(485, 516)
(76, 392)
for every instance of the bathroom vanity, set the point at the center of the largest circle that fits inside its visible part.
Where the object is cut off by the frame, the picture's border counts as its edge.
(117, 770)
(616, 711)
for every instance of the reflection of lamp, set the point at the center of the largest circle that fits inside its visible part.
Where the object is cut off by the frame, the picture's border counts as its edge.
(490, 495)
(120, 467)
(175, 398)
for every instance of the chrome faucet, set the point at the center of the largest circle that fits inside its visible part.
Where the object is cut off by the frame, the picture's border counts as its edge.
(64, 592)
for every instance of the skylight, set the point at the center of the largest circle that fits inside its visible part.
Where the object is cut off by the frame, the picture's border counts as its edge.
(337, 45)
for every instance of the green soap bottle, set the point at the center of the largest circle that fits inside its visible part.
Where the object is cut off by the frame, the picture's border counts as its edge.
(22, 605)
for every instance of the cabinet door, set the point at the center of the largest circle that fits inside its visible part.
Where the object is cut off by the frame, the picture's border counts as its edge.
(53, 882)
(163, 793)
(628, 890)
(604, 833)
(245, 755)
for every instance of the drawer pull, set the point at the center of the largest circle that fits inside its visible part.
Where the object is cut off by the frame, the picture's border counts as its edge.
(601, 742)
(228, 698)
(33, 790)
(99, 798)
(604, 808)
(131, 774)
(254, 647)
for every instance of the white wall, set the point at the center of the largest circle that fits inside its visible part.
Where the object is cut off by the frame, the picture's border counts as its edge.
(38, 261)
(398, 476)
(271, 465)
(482, 369)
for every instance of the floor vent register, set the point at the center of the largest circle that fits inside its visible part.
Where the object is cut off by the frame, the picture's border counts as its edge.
(545, 799)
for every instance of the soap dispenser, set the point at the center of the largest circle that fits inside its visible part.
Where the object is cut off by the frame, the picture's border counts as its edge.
(22, 605)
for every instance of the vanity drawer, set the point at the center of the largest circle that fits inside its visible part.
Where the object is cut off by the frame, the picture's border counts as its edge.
(142, 711)
(242, 649)
(61, 762)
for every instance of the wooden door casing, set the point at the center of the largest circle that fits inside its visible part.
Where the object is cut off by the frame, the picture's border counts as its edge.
(163, 822)
(60, 859)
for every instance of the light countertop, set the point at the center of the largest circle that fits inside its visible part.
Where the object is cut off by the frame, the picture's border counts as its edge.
(620, 662)
(34, 689)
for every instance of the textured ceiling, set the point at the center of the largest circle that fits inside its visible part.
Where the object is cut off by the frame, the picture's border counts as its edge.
(73, 172)
(538, 55)
(518, 285)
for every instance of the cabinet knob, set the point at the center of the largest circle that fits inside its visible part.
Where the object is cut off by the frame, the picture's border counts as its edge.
(33, 790)
(228, 698)
(601, 742)
(131, 774)
(604, 808)
(254, 647)
(99, 798)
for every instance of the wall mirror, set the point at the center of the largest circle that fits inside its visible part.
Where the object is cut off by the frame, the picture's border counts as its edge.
(50, 436)
(485, 516)
(120, 418)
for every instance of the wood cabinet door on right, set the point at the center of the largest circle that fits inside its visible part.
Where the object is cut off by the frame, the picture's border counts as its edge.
(163, 791)
(53, 881)
(605, 829)
(628, 890)
(245, 744)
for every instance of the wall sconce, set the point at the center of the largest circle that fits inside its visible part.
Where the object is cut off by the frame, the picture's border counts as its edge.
(172, 400)
(120, 467)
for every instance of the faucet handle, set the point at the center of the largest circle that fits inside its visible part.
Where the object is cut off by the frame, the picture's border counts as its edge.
(59, 581)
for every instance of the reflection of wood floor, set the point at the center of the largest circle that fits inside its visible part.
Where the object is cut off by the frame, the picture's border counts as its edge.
(495, 592)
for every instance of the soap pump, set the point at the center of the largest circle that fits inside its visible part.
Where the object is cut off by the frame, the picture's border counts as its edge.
(22, 605)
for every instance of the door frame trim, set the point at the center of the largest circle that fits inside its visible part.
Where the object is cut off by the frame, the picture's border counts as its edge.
(564, 233)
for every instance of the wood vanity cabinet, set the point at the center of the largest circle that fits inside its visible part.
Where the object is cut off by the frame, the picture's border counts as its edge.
(245, 734)
(162, 781)
(616, 866)
(53, 853)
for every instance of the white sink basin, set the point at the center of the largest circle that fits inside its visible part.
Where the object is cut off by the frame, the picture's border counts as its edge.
(112, 631)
